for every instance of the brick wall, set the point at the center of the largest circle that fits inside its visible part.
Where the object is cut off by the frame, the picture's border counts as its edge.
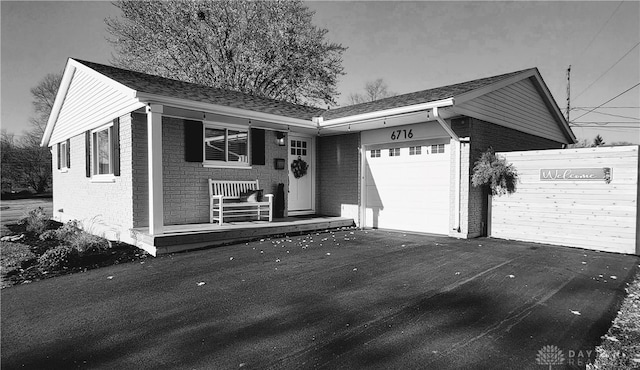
(338, 174)
(104, 208)
(140, 171)
(185, 192)
(483, 135)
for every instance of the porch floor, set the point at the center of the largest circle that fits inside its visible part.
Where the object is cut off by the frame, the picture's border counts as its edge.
(177, 238)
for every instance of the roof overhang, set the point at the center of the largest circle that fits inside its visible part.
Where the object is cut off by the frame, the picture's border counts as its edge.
(399, 116)
(223, 110)
(383, 114)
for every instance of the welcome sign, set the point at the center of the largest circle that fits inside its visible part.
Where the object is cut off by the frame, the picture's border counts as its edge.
(576, 174)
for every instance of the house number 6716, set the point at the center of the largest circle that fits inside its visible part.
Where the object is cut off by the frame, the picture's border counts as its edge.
(401, 134)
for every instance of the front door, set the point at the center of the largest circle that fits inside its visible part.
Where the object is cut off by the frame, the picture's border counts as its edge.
(301, 175)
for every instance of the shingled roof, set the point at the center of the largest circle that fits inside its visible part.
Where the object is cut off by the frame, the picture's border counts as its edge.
(151, 84)
(418, 97)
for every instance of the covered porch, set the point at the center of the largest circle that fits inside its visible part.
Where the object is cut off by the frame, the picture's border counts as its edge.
(176, 238)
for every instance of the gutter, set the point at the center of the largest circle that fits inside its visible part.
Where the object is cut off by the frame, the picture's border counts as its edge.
(458, 160)
(387, 113)
(224, 110)
(444, 125)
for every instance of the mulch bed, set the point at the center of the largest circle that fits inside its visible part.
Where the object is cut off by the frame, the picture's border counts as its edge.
(31, 271)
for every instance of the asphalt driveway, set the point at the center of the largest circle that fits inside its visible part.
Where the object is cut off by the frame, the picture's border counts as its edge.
(347, 299)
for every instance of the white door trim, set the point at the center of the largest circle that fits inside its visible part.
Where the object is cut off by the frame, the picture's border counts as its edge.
(312, 173)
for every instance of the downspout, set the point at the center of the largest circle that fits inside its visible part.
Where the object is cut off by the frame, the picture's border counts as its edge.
(458, 178)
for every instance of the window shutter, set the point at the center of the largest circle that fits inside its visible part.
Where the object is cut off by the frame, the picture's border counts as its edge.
(87, 153)
(193, 141)
(68, 153)
(58, 147)
(257, 147)
(115, 146)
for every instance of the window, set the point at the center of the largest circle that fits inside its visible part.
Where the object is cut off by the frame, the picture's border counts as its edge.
(226, 146)
(438, 148)
(375, 153)
(298, 147)
(415, 150)
(63, 156)
(102, 153)
(394, 152)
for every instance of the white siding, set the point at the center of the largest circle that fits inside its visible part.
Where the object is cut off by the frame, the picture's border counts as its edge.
(518, 106)
(89, 103)
(103, 208)
(586, 214)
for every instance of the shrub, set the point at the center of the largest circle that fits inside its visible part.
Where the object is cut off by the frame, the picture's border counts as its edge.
(72, 234)
(69, 231)
(14, 256)
(57, 258)
(495, 173)
(36, 221)
(88, 243)
(48, 235)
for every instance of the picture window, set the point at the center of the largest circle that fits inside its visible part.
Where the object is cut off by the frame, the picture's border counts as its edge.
(223, 145)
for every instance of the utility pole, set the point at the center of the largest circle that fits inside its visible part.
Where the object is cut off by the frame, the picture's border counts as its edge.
(568, 91)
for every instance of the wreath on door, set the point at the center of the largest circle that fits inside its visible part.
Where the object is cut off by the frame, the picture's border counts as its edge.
(299, 168)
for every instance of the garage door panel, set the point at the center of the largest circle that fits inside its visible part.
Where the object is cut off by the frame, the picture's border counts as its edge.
(408, 192)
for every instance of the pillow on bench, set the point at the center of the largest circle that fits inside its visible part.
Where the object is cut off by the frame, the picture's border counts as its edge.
(251, 196)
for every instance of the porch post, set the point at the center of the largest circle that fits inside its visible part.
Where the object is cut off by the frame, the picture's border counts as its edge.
(154, 154)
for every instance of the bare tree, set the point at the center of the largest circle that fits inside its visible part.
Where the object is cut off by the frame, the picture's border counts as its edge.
(265, 48)
(373, 90)
(44, 95)
(24, 162)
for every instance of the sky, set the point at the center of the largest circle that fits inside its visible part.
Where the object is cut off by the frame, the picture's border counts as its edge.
(411, 45)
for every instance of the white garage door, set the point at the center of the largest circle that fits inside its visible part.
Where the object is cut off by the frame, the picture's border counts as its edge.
(407, 187)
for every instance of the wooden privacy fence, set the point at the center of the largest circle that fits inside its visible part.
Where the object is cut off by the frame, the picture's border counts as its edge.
(585, 198)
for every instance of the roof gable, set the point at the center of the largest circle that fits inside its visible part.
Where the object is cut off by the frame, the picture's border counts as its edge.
(86, 100)
(418, 97)
(518, 106)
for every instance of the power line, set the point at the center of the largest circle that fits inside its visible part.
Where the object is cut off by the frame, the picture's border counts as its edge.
(614, 115)
(624, 92)
(600, 30)
(609, 127)
(605, 72)
(603, 122)
(605, 108)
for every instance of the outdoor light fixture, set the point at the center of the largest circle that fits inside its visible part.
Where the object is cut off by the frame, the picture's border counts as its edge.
(280, 138)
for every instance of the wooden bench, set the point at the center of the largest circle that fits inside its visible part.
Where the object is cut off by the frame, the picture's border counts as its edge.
(225, 201)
